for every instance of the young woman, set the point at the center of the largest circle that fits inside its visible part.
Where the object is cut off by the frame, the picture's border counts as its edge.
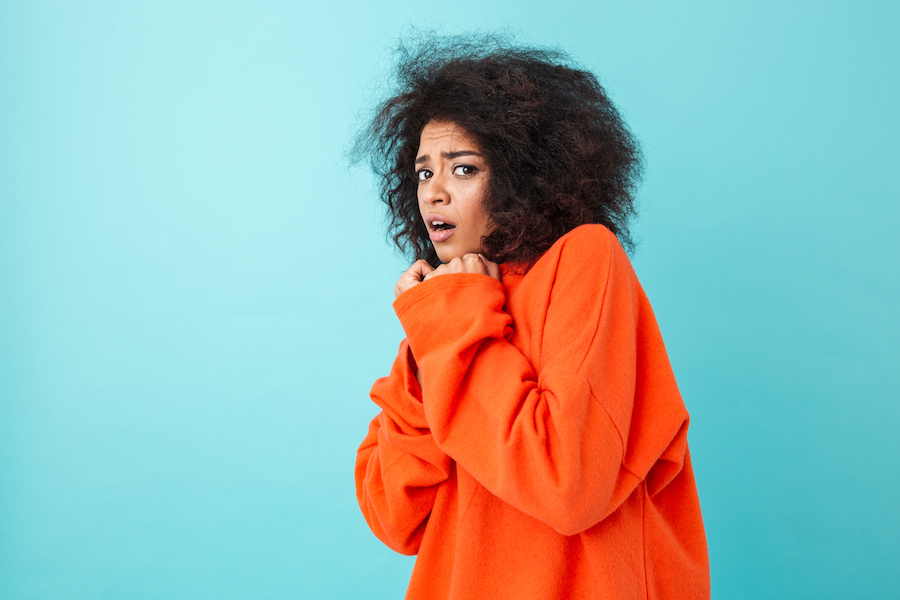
(532, 442)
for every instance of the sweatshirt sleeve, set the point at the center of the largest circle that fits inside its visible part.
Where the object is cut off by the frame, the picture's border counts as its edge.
(568, 438)
(398, 465)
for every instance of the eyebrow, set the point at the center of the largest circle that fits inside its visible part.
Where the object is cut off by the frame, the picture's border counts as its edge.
(449, 155)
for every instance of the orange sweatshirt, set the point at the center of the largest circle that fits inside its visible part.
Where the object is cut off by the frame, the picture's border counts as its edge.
(545, 455)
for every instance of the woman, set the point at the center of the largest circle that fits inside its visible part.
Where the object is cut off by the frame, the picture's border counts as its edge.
(532, 442)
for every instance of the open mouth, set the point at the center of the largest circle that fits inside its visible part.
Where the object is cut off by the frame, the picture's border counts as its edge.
(441, 226)
(439, 229)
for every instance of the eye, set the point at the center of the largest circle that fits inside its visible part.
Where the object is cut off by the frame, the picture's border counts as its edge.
(423, 174)
(464, 170)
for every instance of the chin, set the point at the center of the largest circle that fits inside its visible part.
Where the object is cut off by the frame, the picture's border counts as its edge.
(448, 253)
(447, 256)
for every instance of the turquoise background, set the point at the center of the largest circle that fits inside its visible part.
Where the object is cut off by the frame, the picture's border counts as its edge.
(195, 290)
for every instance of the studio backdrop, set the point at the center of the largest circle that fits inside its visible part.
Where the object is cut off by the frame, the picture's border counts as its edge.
(195, 287)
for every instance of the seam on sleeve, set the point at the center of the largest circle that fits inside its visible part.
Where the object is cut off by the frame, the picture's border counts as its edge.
(578, 370)
(614, 424)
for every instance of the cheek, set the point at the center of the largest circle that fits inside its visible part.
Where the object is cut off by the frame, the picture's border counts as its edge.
(480, 211)
(420, 205)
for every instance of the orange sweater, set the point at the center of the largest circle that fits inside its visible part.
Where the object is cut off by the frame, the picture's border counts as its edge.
(545, 456)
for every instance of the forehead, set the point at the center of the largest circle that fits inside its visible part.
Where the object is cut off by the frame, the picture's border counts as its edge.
(446, 136)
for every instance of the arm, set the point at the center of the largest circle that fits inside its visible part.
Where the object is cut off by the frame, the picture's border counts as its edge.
(398, 465)
(555, 439)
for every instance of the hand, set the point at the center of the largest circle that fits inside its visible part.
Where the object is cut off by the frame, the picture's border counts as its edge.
(469, 263)
(412, 277)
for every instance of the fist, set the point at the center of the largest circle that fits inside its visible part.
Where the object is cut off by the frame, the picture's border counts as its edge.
(413, 276)
(467, 263)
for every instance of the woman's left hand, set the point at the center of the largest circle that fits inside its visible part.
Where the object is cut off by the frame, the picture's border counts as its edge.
(468, 263)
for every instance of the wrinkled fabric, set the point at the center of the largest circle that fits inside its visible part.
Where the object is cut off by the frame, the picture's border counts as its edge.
(545, 455)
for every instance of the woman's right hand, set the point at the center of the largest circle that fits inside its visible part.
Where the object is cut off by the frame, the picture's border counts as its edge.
(412, 277)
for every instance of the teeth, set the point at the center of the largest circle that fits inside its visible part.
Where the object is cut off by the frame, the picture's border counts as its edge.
(437, 223)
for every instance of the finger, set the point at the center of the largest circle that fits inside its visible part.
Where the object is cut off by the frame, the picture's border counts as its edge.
(418, 270)
(474, 264)
(405, 282)
(441, 270)
(445, 268)
(493, 269)
(412, 276)
(421, 268)
(399, 288)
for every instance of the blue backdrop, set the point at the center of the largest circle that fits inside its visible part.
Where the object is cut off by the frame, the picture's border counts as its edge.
(195, 290)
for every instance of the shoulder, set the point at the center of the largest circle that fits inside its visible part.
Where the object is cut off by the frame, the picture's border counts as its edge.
(588, 248)
(591, 238)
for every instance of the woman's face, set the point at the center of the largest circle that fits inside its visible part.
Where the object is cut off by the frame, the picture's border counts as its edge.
(453, 178)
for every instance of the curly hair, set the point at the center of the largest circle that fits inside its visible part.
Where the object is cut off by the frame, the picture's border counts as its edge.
(559, 153)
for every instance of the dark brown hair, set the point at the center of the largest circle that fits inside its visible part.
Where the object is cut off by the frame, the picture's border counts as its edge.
(559, 153)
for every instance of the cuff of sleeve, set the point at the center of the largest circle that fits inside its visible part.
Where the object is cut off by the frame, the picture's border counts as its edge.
(438, 285)
(452, 308)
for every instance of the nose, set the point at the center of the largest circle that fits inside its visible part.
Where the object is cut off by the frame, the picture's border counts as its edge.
(434, 191)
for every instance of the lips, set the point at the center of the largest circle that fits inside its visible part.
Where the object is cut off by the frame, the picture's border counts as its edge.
(439, 228)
